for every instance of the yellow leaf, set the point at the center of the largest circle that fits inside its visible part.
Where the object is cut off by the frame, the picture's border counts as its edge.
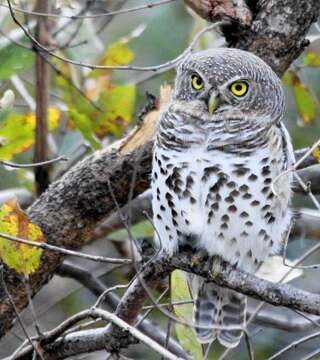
(117, 54)
(316, 154)
(311, 59)
(23, 258)
(186, 335)
(305, 101)
(17, 132)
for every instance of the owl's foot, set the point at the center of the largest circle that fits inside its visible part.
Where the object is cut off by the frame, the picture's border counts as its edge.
(198, 258)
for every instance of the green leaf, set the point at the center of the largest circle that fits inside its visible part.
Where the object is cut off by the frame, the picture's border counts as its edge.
(311, 59)
(23, 258)
(186, 335)
(118, 105)
(14, 60)
(84, 125)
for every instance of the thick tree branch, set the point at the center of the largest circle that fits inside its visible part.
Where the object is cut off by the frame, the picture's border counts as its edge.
(114, 339)
(71, 208)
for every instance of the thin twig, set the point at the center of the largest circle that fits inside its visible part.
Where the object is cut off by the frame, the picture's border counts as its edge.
(19, 166)
(58, 249)
(109, 13)
(167, 65)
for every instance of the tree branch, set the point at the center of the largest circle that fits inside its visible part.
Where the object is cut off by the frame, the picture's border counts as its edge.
(42, 102)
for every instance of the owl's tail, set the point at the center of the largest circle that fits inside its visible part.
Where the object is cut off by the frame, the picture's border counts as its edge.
(219, 307)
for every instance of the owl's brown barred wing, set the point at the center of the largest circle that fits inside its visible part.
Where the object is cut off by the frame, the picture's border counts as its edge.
(217, 309)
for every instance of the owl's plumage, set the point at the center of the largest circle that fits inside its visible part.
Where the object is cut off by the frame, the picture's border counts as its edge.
(215, 157)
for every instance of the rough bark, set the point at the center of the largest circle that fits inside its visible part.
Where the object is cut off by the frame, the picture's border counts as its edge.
(70, 209)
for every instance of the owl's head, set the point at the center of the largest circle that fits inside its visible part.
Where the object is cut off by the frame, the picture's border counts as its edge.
(229, 84)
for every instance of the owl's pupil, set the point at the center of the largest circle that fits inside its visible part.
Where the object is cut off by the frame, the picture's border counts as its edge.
(198, 81)
(239, 87)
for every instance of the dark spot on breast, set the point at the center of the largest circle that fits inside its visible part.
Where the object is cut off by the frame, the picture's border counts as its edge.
(265, 170)
(229, 199)
(261, 232)
(187, 222)
(162, 208)
(218, 197)
(225, 218)
(249, 253)
(249, 223)
(265, 207)
(165, 158)
(224, 226)
(267, 181)
(167, 228)
(246, 196)
(253, 177)
(265, 160)
(159, 217)
(265, 189)
(244, 188)
(231, 184)
(271, 220)
(220, 236)
(179, 233)
(244, 234)
(255, 203)
(234, 193)
(270, 196)
(163, 171)
(174, 213)
(189, 181)
(232, 208)
(233, 241)
(244, 214)
(155, 175)
(215, 206)
(241, 171)
(193, 200)
(208, 171)
(186, 193)
(174, 223)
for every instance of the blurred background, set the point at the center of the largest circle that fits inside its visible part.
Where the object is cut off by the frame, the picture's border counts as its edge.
(89, 109)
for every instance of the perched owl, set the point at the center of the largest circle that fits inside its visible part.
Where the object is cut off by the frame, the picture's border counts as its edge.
(220, 144)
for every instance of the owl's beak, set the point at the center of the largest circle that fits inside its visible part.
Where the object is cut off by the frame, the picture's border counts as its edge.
(212, 103)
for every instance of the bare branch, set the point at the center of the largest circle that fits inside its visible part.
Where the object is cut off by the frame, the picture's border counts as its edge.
(41, 173)
(92, 16)
(60, 250)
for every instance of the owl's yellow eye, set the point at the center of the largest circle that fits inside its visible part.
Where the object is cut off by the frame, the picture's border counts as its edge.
(239, 88)
(197, 82)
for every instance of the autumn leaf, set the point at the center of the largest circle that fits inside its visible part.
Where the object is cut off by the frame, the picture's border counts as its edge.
(23, 258)
(118, 107)
(17, 132)
(311, 59)
(306, 103)
(316, 154)
(185, 334)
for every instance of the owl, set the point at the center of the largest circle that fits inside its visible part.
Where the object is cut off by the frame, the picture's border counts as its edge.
(220, 145)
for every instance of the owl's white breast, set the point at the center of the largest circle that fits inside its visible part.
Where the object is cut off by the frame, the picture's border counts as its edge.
(220, 202)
